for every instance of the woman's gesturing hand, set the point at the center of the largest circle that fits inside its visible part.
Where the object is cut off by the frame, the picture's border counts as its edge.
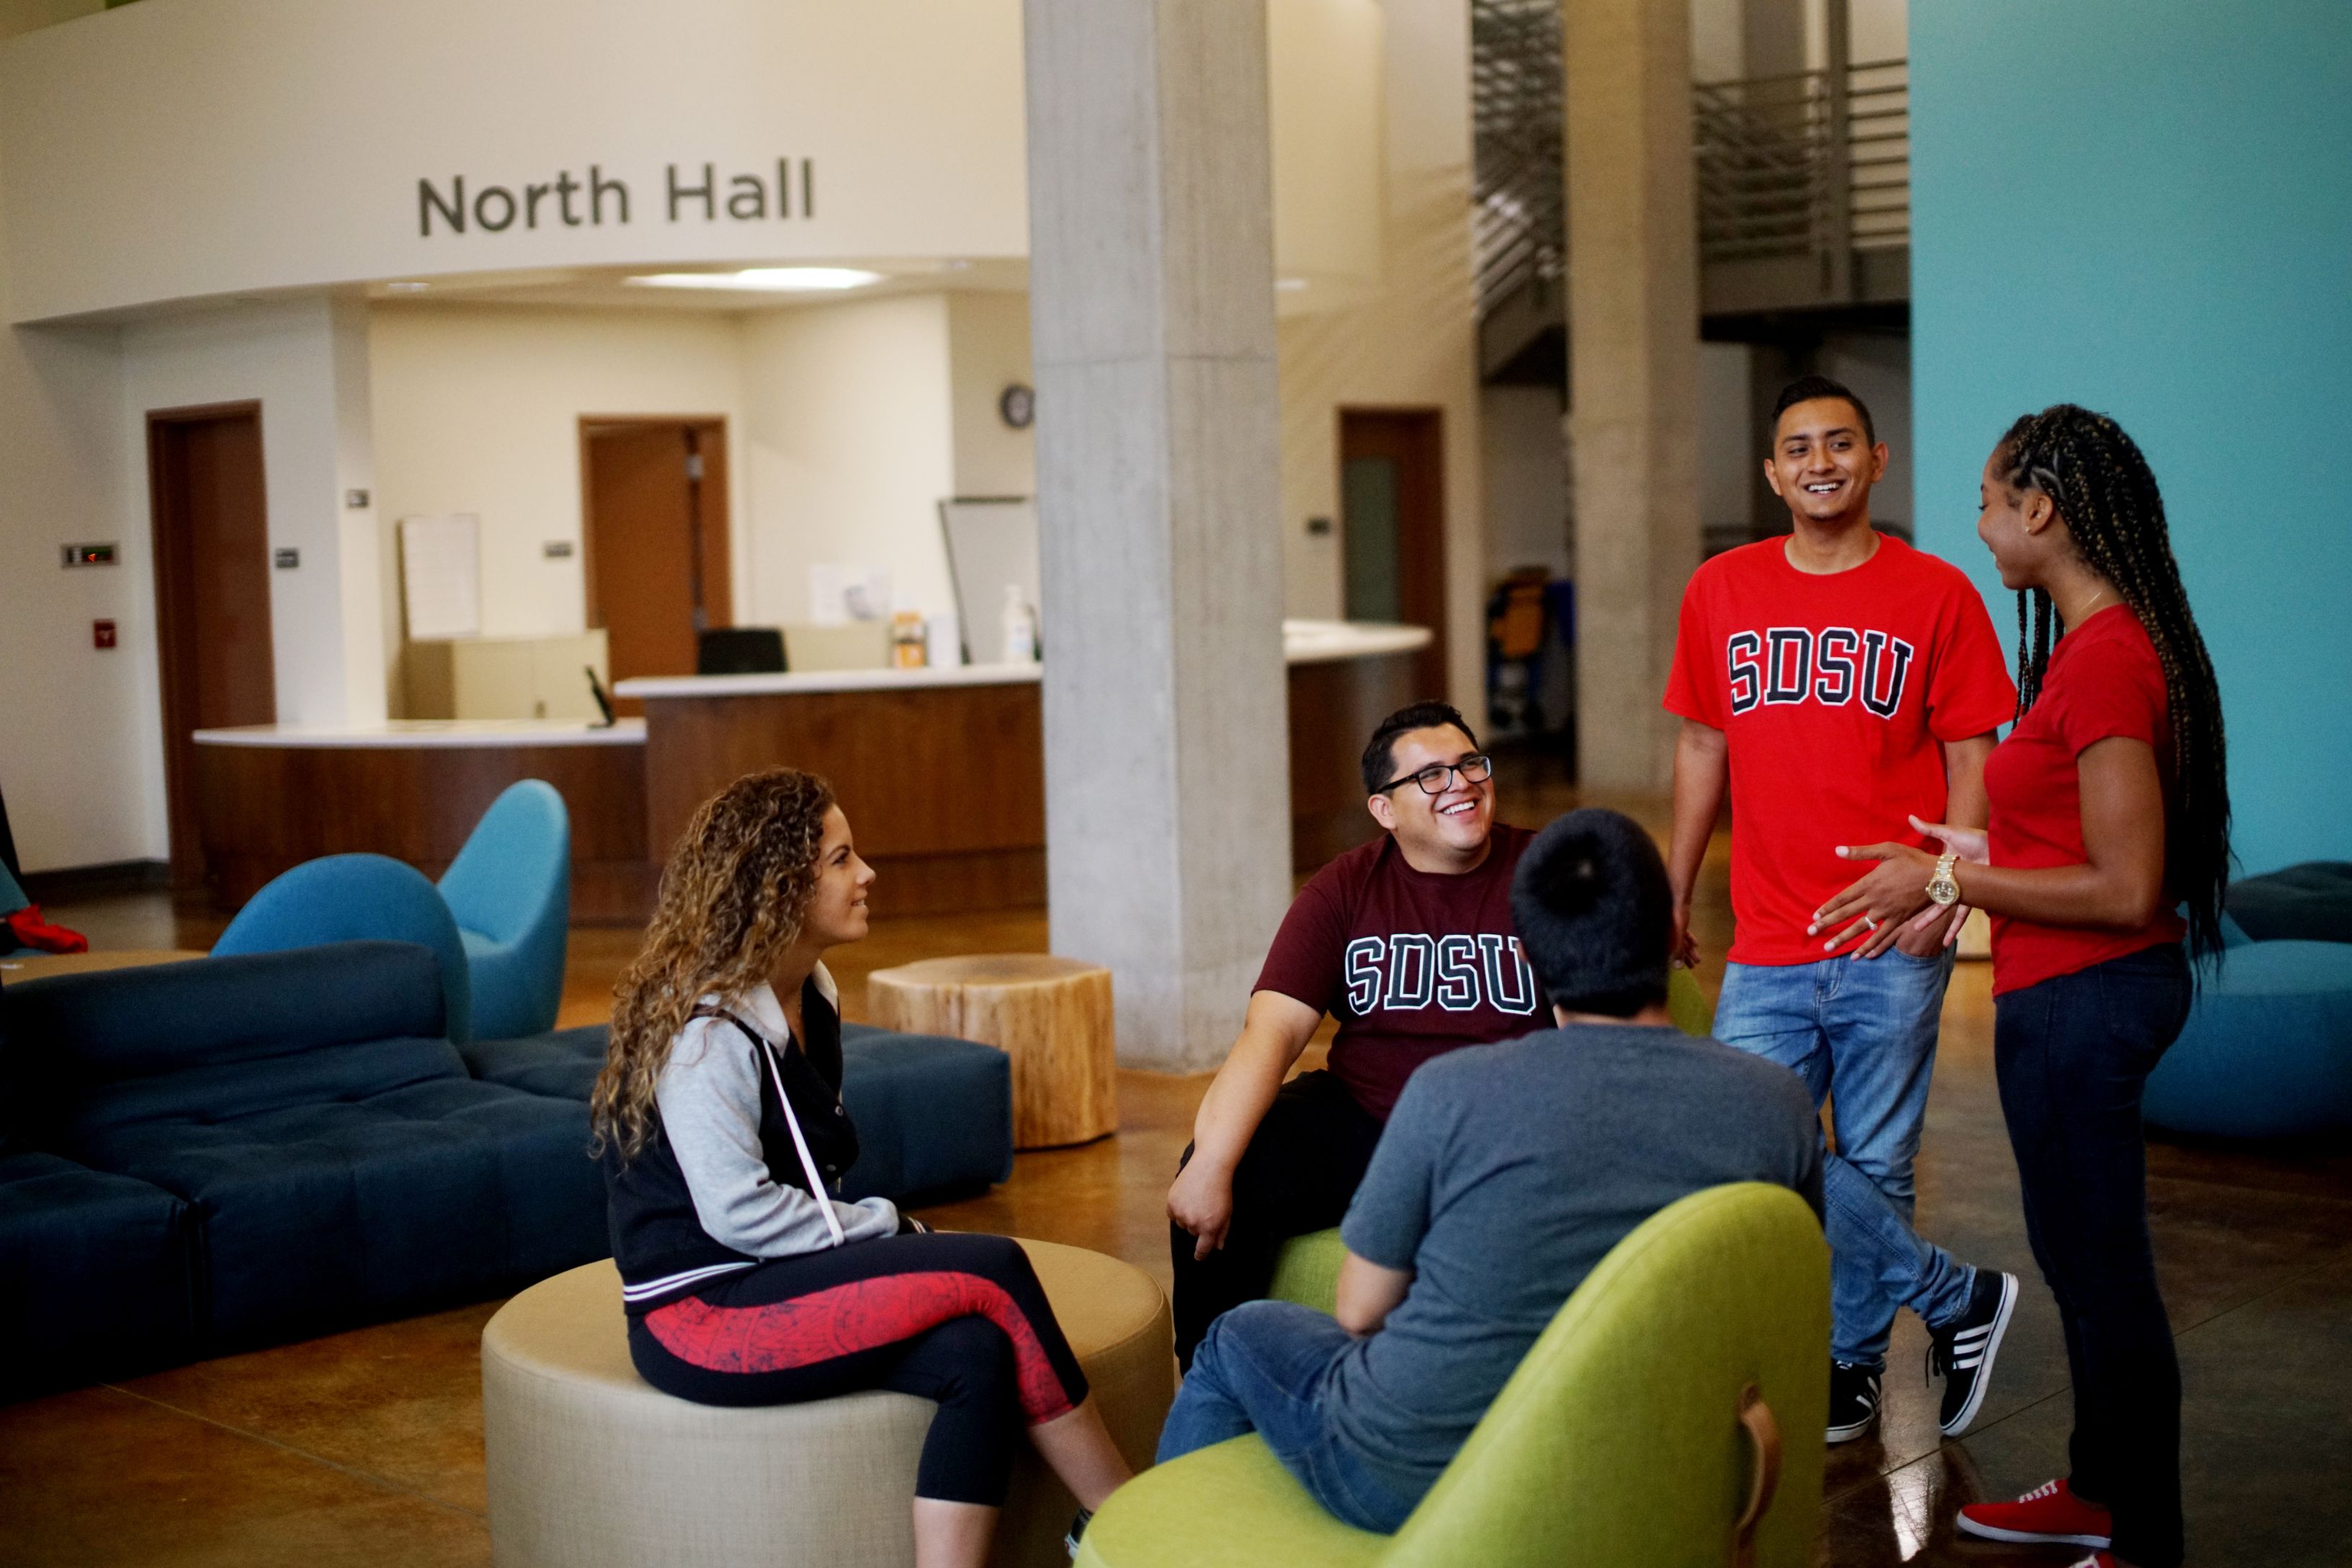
(1896, 891)
(1971, 844)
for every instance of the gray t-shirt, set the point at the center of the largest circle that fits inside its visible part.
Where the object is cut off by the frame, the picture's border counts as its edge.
(1505, 1174)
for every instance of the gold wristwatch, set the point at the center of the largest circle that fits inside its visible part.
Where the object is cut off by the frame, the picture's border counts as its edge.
(1941, 887)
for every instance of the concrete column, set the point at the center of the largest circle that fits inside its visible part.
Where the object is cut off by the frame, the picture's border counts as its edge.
(1151, 302)
(1633, 333)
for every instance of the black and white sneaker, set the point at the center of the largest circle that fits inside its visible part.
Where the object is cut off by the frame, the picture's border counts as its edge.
(1853, 1400)
(1077, 1532)
(1963, 1350)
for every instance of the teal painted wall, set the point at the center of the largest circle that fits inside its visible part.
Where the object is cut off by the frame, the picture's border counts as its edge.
(2146, 206)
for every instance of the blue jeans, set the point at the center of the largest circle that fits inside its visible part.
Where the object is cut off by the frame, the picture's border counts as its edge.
(1865, 1031)
(1263, 1368)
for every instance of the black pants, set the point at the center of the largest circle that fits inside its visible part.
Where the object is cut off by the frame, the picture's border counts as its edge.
(2073, 1054)
(1298, 1175)
(959, 1320)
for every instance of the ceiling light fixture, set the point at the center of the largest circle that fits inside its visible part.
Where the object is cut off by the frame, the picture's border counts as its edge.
(764, 279)
(406, 287)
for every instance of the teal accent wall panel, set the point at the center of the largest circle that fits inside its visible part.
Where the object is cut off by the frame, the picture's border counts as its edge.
(2146, 206)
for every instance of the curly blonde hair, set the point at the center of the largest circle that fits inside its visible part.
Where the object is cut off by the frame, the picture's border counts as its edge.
(737, 890)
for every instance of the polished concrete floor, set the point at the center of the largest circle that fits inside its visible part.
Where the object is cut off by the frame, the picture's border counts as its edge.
(366, 1447)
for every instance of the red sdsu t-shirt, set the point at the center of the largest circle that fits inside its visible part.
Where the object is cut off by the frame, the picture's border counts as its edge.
(1833, 692)
(2102, 681)
(1412, 964)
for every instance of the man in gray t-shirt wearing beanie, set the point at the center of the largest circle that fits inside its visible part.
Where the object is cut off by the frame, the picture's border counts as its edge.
(1505, 1174)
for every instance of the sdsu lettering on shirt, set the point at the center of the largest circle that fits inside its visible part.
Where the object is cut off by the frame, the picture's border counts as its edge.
(1832, 666)
(1412, 965)
(1836, 693)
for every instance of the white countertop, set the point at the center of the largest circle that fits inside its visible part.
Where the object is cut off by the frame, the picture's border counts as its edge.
(426, 733)
(1319, 641)
(1303, 642)
(880, 679)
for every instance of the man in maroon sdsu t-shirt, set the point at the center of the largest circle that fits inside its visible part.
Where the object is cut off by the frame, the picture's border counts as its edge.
(1408, 942)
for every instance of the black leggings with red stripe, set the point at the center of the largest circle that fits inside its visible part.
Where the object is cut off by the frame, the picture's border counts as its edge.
(960, 1319)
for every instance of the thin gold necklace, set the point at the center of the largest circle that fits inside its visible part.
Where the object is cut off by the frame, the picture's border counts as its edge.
(2085, 613)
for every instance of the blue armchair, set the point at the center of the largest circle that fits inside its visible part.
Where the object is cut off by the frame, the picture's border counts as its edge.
(510, 890)
(356, 898)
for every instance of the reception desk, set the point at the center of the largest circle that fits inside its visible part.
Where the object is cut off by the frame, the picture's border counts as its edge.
(271, 795)
(944, 770)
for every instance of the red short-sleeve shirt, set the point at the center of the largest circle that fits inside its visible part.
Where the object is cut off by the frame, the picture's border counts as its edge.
(1413, 964)
(1832, 692)
(2103, 682)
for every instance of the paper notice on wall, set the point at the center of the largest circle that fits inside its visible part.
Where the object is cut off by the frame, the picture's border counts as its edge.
(839, 594)
(441, 576)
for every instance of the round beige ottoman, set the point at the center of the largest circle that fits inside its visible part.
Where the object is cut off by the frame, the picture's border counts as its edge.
(590, 1466)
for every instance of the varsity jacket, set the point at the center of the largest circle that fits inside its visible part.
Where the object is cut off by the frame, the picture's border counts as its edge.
(722, 1182)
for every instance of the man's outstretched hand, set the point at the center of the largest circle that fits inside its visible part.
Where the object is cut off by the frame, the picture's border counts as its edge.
(1202, 1201)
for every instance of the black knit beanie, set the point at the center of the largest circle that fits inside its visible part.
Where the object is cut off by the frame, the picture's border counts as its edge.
(1594, 913)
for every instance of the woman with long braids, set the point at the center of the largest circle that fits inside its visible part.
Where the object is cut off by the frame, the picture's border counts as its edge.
(720, 1122)
(2110, 807)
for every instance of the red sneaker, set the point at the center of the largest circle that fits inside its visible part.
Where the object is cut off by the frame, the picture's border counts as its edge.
(2050, 1513)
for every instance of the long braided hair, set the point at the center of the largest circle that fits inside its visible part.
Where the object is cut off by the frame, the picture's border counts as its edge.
(2104, 488)
(736, 892)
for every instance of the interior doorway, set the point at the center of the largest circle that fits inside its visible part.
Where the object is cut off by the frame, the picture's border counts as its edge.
(1393, 525)
(654, 513)
(209, 519)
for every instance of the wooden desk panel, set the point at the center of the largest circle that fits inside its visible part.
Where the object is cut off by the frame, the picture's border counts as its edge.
(263, 810)
(945, 785)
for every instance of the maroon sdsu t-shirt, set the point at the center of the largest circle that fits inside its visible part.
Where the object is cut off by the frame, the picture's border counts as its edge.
(1412, 965)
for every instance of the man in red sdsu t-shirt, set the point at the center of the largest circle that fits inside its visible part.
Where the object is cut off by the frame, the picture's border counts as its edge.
(1838, 680)
(1408, 942)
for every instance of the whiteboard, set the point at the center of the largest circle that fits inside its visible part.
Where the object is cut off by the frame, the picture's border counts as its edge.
(441, 576)
(992, 540)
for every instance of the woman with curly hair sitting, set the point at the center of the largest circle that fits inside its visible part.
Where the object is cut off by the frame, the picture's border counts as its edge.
(720, 1122)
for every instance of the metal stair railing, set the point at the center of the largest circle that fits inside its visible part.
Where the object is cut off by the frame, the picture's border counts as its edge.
(1811, 163)
(1814, 163)
(1518, 213)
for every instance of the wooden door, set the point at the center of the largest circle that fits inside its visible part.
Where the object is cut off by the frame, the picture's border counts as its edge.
(210, 524)
(1393, 525)
(654, 494)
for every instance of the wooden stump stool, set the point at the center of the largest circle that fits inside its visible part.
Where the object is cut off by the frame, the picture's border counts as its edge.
(1051, 1016)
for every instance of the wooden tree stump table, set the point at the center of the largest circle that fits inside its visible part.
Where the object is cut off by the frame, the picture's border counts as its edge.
(1052, 1016)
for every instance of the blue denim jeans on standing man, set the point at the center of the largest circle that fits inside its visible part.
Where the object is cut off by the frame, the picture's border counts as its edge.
(1864, 1030)
(1263, 1367)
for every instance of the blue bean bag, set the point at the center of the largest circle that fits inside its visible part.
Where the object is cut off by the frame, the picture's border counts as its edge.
(2267, 1050)
(2307, 903)
(357, 898)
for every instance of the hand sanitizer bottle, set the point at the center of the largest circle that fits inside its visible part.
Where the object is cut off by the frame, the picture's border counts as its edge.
(1020, 628)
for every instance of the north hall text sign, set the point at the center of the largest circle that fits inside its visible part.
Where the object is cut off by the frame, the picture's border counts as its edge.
(688, 194)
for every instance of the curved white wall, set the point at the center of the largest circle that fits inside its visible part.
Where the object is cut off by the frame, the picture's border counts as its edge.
(188, 149)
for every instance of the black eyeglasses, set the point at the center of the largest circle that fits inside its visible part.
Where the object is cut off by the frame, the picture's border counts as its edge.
(1438, 777)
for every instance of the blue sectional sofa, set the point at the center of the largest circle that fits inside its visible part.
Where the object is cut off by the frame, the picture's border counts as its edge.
(297, 1128)
(97, 1275)
(934, 1115)
(208, 1157)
